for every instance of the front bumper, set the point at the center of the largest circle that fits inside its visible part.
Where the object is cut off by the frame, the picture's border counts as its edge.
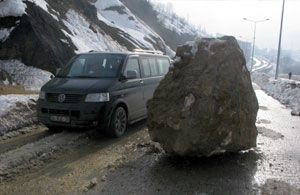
(80, 115)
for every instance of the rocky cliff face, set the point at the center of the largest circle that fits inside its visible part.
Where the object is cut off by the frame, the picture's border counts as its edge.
(45, 34)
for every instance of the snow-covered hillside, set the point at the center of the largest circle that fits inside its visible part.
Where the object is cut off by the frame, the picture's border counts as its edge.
(115, 14)
(86, 39)
(46, 34)
(174, 23)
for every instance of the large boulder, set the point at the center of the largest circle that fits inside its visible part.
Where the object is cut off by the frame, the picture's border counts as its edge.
(206, 104)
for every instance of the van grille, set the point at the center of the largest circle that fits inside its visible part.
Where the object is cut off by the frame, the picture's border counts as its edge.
(73, 113)
(70, 98)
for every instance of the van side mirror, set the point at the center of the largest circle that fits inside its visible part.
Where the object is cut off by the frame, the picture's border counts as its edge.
(131, 74)
(57, 71)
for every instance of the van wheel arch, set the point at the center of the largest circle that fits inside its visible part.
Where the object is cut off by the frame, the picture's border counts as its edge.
(118, 122)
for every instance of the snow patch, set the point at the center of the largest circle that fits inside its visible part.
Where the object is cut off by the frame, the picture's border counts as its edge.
(12, 8)
(41, 3)
(65, 41)
(177, 59)
(31, 77)
(126, 21)
(284, 90)
(6, 82)
(193, 45)
(17, 7)
(16, 111)
(175, 23)
(55, 17)
(4, 33)
(86, 39)
(170, 52)
(179, 26)
(210, 43)
(9, 101)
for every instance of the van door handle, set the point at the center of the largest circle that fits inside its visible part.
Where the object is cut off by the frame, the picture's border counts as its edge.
(141, 82)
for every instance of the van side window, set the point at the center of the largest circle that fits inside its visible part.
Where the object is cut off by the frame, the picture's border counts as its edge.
(146, 67)
(153, 67)
(132, 64)
(163, 65)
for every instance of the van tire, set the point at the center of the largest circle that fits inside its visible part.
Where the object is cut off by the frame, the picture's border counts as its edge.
(118, 123)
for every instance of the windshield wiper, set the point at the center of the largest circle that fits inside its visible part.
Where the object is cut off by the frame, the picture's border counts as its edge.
(83, 77)
(62, 76)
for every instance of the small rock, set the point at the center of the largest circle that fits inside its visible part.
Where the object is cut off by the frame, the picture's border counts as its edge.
(270, 165)
(94, 182)
(91, 184)
(295, 113)
(44, 155)
(103, 178)
(112, 169)
(85, 189)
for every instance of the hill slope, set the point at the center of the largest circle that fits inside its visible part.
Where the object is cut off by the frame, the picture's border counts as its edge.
(45, 34)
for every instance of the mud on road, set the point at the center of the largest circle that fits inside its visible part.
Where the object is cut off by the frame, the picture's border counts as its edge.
(86, 162)
(42, 162)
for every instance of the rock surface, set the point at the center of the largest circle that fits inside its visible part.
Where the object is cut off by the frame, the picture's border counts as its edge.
(206, 104)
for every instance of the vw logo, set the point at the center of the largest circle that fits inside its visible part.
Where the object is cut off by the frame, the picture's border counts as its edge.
(61, 98)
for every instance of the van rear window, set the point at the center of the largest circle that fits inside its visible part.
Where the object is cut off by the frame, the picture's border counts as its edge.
(163, 65)
(93, 66)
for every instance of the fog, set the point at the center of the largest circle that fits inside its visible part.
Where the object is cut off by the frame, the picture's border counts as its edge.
(226, 17)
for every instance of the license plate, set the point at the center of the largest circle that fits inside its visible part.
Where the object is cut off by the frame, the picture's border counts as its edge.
(62, 119)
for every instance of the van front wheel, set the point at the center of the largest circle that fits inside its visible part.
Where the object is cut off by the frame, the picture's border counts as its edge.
(118, 123)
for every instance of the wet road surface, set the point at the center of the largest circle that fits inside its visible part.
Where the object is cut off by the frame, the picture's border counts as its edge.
(135, 165)
(271, 168)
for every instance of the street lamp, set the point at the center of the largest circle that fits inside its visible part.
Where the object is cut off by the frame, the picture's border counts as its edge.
(254, 21)
(279, 44)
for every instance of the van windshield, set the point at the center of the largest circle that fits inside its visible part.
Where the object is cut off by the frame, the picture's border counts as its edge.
(93, 66)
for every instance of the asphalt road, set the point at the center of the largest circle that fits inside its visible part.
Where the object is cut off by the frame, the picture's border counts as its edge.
(135, 165)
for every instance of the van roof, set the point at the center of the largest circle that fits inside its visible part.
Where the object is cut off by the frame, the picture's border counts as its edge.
(136, 52)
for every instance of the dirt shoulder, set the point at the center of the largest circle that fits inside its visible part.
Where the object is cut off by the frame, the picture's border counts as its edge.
(15, 89)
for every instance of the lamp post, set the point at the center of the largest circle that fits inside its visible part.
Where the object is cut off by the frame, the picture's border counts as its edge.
(254, 21)
(279, 44)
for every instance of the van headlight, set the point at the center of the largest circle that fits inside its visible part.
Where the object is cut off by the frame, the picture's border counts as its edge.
(42, 95)
(97, 97)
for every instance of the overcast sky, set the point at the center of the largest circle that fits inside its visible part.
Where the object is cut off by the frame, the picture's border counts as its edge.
(226, 17)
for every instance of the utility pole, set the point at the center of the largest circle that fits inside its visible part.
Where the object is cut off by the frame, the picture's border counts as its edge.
(279, 44)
